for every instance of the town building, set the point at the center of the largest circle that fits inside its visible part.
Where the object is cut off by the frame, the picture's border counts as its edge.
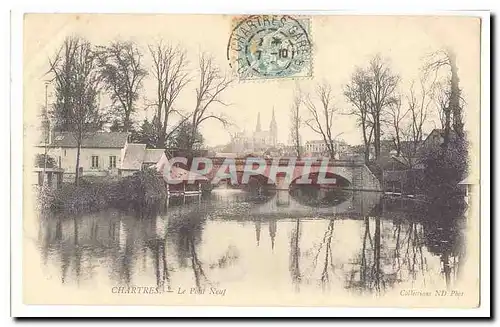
(259, 141)
(436, 138)
(319, 148)
(101, 154)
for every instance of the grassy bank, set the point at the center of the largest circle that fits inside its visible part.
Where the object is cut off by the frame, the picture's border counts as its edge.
(98, 193)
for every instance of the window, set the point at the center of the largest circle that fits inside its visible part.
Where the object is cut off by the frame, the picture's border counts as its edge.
(112, 161)
(95, 162)
(65, 152)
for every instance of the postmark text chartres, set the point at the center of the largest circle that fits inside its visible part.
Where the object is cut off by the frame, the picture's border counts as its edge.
(270, 46)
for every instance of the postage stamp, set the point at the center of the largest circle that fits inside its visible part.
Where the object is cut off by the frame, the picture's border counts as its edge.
(270, 46)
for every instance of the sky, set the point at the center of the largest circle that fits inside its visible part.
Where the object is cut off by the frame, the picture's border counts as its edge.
(340, 44)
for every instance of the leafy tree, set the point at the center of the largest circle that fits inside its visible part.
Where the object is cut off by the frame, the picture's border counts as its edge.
(122, 73)
(76, 83)
(40, 161)
(181, 138)
(445, 167)
(145, 134)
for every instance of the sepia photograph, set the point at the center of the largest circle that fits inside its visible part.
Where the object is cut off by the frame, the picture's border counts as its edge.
(306, 160)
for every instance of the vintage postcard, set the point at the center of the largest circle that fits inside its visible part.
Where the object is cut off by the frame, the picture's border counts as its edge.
(318, 160)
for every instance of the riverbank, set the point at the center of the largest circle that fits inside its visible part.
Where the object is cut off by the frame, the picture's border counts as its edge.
(94, 194)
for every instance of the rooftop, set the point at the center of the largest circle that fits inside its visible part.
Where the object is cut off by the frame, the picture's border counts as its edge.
(136, 154)
(91, 140)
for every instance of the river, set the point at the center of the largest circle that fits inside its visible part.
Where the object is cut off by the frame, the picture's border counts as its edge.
(311, 242)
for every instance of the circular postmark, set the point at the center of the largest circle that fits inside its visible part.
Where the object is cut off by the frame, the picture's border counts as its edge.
(270, 46)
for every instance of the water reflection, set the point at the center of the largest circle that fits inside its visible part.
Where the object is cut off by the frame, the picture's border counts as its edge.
(236, 237)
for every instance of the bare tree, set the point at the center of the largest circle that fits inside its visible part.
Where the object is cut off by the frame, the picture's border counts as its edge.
(122, 73)
(294, 266)
(382, 87)
(396, 116)
(321, 121)
(357, 93)
(211, 85)
(76, 83)
(435, 62)
(442, 99)
(171, 76)
(418, 108)
(296, 122)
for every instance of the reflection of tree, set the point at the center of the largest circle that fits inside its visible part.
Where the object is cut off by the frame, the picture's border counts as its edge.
(199, 273)
(443, 236)
(408, 256)
(380, 265)
(186, 229)
(370, 270)
(158, 248)
(69, 252)
(74, 243)
(367, 273)
(295, 255)
(328, 262)
(326, 244)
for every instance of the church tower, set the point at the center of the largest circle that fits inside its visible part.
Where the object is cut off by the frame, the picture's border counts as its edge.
(273, 130)
(257, 128)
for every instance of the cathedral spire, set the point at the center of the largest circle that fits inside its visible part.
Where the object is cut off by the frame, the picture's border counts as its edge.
(273, 129)
(257, 128)
(273, 121)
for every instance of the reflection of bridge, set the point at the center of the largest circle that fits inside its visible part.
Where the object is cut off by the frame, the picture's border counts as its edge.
(286, 171)
(284, 205)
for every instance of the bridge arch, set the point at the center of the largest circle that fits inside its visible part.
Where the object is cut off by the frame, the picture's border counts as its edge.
(256, 182)
(344, 175)
(316, 180)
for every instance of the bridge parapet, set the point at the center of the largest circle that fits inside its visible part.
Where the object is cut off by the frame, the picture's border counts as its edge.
(285, 161)
(357, 173)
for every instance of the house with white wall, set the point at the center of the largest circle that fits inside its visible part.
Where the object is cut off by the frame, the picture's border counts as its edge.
(100, 154)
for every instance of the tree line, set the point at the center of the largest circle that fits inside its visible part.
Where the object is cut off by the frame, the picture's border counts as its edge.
(384, 110)
(81, 72)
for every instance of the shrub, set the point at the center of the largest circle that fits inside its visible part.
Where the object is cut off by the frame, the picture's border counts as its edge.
(444, 169)
(142, 188)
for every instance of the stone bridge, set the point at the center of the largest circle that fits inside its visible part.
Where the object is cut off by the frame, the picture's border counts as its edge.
(284, 172)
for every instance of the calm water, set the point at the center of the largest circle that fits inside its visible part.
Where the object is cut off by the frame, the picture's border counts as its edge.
(298, 241)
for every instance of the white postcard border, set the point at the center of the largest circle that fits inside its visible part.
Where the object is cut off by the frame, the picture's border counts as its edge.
(18, 309)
